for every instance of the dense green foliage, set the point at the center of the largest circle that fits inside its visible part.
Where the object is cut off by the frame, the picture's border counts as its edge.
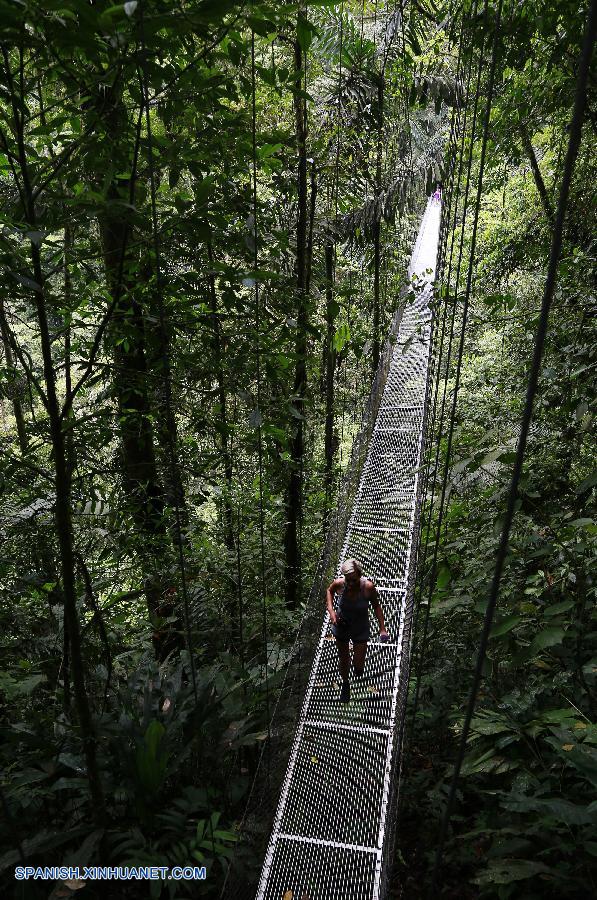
(207, 210)
(526, 817)
(205, 205)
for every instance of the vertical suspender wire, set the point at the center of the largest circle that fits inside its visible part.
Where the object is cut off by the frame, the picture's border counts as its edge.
(433, 335)
(406, 103)
(335, 193)
(444, 230)
(447, 218)
(575, 133)
(437, 343)
(172, 449)
(432, 575)
(470, 267)
(463, 76)
(421, 649)
(450, 343)
(258, 378)
(445, 226)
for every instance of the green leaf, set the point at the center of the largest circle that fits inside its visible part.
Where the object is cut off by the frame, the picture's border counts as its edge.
(504, 626)
(305, 32)
(151, 758)
(341, 338)
(332, 310)
(267, 150)
(507, 871)
(549, 637)
(565, 811)
(42, 842)
(443, 578)
(587, 483)
(582, 757)
(557, 608)
(22, 687)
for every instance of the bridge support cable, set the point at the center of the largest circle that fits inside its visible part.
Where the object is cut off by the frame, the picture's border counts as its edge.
(450, 282)
(440, 360)
(333, 830)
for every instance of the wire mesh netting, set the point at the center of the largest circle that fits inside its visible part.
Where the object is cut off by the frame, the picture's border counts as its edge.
(332, 832)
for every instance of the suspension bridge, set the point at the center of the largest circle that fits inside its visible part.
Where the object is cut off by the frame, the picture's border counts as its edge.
(333, 829)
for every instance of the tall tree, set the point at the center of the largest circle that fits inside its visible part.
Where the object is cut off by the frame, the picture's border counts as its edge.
(294, 512)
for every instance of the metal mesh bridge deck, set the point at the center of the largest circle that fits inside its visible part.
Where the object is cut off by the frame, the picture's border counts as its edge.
(333, 831)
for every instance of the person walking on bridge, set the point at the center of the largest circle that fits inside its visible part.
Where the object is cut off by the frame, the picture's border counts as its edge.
(350, 620)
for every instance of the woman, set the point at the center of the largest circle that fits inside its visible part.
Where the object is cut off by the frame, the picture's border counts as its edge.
(350, 621)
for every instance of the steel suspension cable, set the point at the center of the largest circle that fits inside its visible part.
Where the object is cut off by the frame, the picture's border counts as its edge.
(421, 653)
(442, 505)
(446, 215)
(444, 229)
(452, 243)
(575, 133)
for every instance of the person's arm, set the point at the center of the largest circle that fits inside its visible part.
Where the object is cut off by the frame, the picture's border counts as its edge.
(374, 596)
(329, 599)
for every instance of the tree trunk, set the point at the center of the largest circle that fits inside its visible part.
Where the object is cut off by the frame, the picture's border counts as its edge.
(142, 487)
(62, 479)
(330, 367)
(292, 568)
(312, 206)
(143, 490)
(218, 352)
(377, 230)
(165, 428)
(539, 183)
(16, 403)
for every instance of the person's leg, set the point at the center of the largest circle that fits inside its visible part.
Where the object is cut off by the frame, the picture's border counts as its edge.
(344, 666)
(343, 659)
(359, 652)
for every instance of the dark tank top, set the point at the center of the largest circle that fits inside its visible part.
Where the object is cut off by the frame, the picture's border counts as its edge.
(354, 609)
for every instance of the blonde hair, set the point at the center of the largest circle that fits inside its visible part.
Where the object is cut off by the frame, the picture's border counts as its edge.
(350, 566)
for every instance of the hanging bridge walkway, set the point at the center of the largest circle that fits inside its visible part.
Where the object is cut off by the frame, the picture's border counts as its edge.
(333, 831)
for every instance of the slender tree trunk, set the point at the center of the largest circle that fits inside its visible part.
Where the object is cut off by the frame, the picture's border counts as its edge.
(218, 352)
(165, 427)
(377, 229)
(330, 367)
(294, 492)
(62, 480)
(68, 241)
(69, 447)
(16, 403)
(539, 183)
(312, 205)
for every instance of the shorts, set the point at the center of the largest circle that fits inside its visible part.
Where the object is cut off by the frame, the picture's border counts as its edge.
(356, 631)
